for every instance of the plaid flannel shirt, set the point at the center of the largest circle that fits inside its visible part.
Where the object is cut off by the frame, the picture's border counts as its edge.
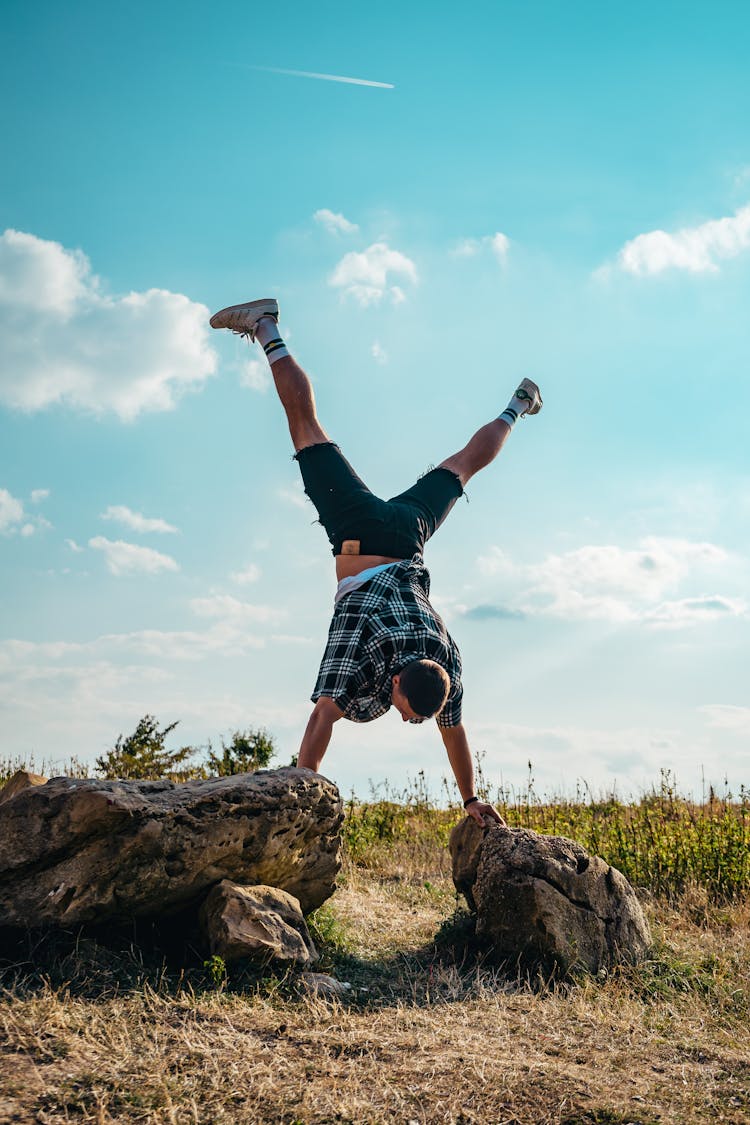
(375, 632)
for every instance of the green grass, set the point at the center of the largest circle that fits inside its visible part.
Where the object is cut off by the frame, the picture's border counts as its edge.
(45, 767)
(662, 843)
(330, 936)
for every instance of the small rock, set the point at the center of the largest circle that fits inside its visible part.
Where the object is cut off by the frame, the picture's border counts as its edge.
(319, 984)
(545, 900)
(256, 923)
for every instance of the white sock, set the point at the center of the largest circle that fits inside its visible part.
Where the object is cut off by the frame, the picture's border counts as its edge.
(513, 411)
(267, 335)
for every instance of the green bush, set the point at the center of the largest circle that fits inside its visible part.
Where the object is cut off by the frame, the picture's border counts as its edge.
(248, 750)
(142, 756)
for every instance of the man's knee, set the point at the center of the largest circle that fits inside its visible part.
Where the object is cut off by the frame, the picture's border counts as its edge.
(459, 466)
(306, 433)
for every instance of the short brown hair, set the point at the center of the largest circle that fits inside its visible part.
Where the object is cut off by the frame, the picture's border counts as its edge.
(425, 685)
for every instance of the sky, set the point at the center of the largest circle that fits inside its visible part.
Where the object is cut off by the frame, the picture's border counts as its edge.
(546, 190)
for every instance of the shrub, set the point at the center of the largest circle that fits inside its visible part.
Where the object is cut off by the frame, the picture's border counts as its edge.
(249, 750)
(142, 756)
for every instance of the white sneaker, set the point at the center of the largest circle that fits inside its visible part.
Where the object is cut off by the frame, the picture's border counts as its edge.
(243, 319)
(529, 392)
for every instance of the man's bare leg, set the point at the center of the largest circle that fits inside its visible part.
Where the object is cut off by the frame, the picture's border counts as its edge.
(482, 449)
(298, 399)
(259, 320)
(293, 387)
(487, 442)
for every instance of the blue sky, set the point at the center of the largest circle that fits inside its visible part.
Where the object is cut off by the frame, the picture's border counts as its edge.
(547, 190)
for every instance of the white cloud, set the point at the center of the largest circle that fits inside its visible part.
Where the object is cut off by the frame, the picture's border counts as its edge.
(612, 583)
(498, 243)
(135, 521)
(695, 249)
(334, 222)
(231, 609)
(495, 562)
(13, 518)
(648, 570)
(128, 558)
(71, 543)
(42, 275)
(183, 645)
(251, 573)
(228, 634)
(294, 495)
(292, 639)
(695, 611)
(378, 352)
(63, 339)
(11, 511)
(467, 248)
(727, 717)
(367, 276)
(39, 494)
(255, 375)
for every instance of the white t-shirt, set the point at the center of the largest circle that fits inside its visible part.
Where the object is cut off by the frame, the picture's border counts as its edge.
(354, 581)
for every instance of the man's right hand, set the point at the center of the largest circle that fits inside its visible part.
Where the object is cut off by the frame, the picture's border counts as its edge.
(318, 733)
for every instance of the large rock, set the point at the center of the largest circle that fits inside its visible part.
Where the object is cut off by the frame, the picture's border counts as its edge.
(257, 924)
(75, 851)
(545, 900)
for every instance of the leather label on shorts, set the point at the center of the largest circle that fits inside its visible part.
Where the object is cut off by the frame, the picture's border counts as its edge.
(350, 547)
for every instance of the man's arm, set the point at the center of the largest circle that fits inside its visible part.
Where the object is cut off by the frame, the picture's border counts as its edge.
(459, 756)
(318, 733)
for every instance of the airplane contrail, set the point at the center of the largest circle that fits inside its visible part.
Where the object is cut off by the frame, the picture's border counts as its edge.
(326, 77)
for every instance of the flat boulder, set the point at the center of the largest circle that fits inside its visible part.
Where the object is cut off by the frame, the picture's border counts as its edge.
(543, 900)
(88, 851)
(257, 924)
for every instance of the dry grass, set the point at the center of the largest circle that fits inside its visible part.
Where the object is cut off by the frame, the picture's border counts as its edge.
(419, 1039)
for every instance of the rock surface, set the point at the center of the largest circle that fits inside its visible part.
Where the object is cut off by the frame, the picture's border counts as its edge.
(256, 923)
(21, 779)
(545, 900)
(89, 851)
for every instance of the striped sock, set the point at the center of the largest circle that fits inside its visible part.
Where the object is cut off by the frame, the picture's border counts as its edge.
(513, 411)
(267, 335)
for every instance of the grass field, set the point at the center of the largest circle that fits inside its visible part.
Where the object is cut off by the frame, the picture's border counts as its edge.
(98, 1034)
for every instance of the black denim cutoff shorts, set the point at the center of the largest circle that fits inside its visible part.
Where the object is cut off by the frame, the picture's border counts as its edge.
(397, 528)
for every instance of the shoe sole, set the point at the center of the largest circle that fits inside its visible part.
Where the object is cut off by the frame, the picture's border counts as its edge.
(268, 306)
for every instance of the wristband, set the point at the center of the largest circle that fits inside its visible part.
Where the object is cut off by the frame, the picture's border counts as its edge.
(470, 801)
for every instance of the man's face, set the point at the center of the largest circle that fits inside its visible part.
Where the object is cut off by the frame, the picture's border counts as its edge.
(401, 703)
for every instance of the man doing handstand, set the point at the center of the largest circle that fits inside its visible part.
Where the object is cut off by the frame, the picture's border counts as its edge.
(386, 644)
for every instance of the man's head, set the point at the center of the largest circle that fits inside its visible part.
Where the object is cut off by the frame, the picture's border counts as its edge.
(420, 690)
